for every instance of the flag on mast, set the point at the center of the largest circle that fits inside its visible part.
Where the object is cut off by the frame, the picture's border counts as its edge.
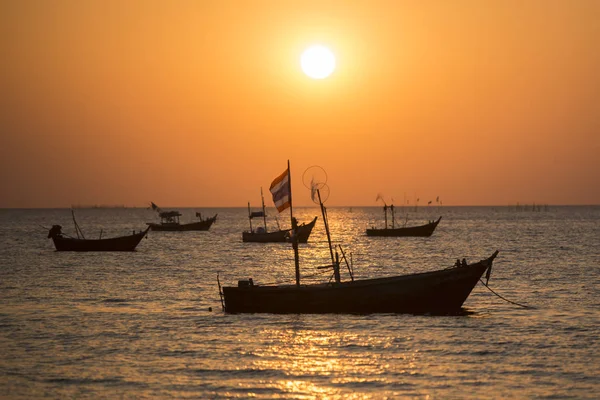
(280, 189)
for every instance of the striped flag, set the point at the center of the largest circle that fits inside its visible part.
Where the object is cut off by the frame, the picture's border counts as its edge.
(280, 188)
(155, 207)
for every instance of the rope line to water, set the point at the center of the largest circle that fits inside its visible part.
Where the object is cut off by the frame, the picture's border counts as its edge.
(505, 299)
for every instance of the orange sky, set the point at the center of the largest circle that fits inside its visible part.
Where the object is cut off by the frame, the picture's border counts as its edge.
(200, 103)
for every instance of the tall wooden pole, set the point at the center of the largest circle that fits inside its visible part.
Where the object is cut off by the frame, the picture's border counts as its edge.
(290, 191)
(263, 209)
(294, 224)
(250, 217)
(77, 228)
(326, 222)
(385, 215)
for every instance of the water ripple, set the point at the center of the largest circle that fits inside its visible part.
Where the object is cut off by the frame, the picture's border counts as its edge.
(138, 325)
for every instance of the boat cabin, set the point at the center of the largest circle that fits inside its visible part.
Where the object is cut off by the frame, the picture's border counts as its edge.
(169, 217)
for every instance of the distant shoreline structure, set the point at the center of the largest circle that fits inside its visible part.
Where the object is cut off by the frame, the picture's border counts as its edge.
(75, 206)
(533, 207)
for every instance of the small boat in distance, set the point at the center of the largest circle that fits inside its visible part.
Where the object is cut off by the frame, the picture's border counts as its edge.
(63, 242)
(404, 231)
(169, 221)
(441, 291)
(262, 235)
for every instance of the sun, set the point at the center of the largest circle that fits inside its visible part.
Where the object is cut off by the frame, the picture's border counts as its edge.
(318, 62)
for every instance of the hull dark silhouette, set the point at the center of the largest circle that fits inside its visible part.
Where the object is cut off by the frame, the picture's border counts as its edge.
(203, 225)
(415, 231)
(266, 237)
(303, 231)
(281, 236)
(437, 292)
(121, 243)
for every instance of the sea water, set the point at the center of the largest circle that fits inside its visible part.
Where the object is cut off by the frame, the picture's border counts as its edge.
(149, 324)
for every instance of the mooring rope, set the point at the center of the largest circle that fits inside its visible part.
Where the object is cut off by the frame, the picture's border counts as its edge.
(503, 298)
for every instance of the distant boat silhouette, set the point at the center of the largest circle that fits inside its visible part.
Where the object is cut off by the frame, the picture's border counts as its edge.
(408, 231)
(262, 235)
(169, 221)
(405, 231)
(64, 242)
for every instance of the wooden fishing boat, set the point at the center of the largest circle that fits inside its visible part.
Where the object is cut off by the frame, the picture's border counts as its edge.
(63, 242)
(437, 292)
(262, 235)
(422, 230)
(169, 221)
(259, 235)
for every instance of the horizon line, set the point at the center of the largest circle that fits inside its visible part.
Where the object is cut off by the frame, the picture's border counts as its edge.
(304, 206)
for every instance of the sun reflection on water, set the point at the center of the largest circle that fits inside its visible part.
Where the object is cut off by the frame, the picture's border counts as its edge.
(344, 357)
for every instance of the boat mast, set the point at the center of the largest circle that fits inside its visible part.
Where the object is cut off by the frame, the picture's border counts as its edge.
(392, 208)
(77, 228)
(334, 261)
(263, 208)
(294, 229)
(250, 217)
(385, 214)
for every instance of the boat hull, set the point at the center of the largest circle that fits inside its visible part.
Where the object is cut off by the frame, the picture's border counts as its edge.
(304, 231)
(175, 227)
(266, 237)
(121, 243)
(414, 231)
(438, 292)
(281, 236)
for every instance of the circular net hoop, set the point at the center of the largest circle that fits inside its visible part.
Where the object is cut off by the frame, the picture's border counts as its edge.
(314, 178)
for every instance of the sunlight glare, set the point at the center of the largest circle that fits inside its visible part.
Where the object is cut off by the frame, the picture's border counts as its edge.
(318, 62)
